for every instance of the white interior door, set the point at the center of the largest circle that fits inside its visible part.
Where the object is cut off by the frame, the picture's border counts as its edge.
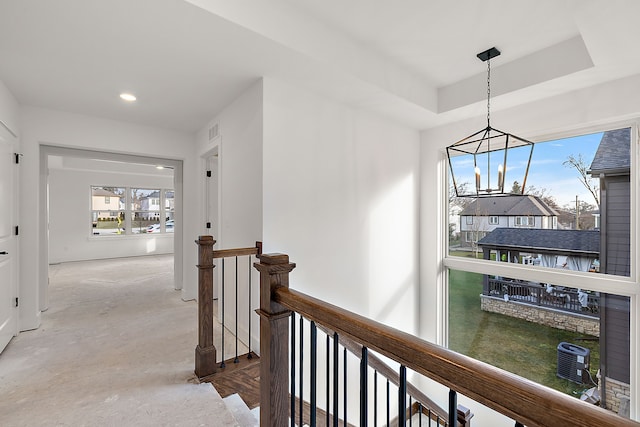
(8, 240)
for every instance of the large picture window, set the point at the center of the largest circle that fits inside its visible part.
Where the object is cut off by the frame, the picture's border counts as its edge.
(538, 293)
(117, 211)
(108, 210)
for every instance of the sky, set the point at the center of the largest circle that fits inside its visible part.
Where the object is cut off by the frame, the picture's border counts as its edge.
(563, 182)
(546, 170)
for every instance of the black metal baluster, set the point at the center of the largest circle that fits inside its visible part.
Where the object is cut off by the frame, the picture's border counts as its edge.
(402, 397)
(236, 360)
(292, 380)
(453, 408)
(327, 387)
(249, 356)
(375, 398)
(314, 373)
(518, 424)
(344, 384)
(363, 386)
(222, 365)
(335, 379)
(410, 413)
(419, 414)
(301, 377)
(388, 408)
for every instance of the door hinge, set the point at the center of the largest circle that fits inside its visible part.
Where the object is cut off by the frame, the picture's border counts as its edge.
(208, 174)
(16, 301)
(17, 230)
(18, 155)
(208, 225)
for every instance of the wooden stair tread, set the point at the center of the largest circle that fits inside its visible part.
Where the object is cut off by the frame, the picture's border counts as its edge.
(242, 378)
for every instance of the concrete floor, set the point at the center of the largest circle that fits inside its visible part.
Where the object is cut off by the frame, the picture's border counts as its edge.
(116, 348)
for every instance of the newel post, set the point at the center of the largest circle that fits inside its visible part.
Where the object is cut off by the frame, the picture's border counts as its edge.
(274, 341)
(205, 351)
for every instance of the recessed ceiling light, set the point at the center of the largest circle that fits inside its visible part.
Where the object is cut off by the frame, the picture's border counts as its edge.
(127, 97)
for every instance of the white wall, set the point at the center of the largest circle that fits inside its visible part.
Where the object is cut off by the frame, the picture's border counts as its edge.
(56, 128)
(341, 199)
(69, 219)
(240, 150)
(578, 110)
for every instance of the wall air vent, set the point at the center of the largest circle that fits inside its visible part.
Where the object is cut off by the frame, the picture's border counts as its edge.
(214, 131)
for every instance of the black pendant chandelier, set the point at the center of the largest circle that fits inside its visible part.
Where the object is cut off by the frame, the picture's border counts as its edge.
(478, 163)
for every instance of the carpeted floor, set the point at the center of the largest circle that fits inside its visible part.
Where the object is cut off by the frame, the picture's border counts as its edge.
(116, 348)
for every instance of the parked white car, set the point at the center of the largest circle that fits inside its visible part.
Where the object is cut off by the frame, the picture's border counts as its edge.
(155, 228)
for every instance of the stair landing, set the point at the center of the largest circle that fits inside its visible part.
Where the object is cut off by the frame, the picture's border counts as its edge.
(242, 378)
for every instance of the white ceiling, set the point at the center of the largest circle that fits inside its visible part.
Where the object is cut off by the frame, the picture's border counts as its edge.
(411, 60)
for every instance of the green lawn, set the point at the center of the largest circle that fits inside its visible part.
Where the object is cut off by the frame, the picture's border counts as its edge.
(524, 348)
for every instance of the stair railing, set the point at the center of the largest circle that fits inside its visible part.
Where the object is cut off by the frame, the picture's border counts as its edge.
(419, 402)
(526, 402)
(206, 353)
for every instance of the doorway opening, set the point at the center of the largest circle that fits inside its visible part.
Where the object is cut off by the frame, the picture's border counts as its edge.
(140, 216)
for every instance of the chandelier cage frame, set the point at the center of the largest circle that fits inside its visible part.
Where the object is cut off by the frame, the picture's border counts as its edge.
(487, 146)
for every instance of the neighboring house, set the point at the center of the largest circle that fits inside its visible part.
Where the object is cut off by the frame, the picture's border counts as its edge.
(578, 249)
(484, 215)
(612, 165)
(104, 204)
(151, 204)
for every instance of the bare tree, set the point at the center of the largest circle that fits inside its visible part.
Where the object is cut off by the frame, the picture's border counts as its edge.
(542, 193)
(461, 202)
(581, 167)
(581, 213)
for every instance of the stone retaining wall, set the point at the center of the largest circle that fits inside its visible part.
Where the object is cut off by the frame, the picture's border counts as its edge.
(617, 393)
(558, 319)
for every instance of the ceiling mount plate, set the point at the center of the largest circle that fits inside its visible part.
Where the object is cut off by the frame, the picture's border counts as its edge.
(488, 54)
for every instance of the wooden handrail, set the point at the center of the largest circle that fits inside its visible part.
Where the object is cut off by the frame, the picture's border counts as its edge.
(518, 398)
(224, 253)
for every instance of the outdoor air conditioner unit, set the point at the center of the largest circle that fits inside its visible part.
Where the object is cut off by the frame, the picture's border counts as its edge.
(573, 362)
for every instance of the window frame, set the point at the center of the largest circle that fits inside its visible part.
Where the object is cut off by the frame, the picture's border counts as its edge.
(620, 285)
(129, 211)
(530, 221)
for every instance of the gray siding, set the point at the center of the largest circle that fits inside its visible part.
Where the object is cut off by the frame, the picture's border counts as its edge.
(616, 259)
(616, 221)
(615, 320)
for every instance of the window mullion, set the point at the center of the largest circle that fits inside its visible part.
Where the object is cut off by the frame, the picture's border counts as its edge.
(128, 212)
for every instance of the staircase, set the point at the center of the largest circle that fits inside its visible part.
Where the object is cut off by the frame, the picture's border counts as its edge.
(244, 416)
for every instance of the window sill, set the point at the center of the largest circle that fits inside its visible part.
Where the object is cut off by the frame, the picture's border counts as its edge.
(143, 236)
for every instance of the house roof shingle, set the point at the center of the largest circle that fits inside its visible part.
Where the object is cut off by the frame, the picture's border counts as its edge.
(614, 152)
(102, 192)
(509, 206)
(579, 242)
